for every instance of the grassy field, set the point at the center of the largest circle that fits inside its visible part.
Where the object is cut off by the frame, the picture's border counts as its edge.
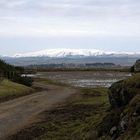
(77, 119)
(49, 81)
(9, 90)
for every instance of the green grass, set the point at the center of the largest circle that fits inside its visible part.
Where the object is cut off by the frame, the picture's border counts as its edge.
(53, 82)
(10, 89)
(94, 91)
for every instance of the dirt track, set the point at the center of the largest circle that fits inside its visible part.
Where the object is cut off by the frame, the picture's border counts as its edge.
(21, 112)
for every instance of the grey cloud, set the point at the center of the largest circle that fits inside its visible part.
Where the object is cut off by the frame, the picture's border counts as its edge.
(66, 3)
(101, 12)
(72, 8)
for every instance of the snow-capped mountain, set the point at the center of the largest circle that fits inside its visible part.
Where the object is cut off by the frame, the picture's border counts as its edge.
(72, 56)
(64, 53)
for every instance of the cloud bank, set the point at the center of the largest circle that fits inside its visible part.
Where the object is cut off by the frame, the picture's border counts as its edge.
(103, 24)
(70, 18)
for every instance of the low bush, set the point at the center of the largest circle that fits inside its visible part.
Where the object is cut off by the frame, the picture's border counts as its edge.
(23, 80)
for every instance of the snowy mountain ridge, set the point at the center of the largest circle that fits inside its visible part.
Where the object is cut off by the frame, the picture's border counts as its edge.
(63, 53)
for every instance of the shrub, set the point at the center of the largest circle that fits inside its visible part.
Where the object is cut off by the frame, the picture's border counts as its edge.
(132, 69)
(23, 80)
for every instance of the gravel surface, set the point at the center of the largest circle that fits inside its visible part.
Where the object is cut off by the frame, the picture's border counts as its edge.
(21, 112)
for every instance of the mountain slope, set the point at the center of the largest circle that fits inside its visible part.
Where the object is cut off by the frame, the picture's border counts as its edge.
(74, 56)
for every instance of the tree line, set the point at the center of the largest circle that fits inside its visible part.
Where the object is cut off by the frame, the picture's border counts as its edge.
(14, 73)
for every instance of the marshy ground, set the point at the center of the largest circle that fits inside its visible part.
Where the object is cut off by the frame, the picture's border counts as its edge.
(86, 78)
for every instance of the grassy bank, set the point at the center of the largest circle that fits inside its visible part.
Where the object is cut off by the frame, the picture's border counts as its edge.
(9, 90)
(77, 119)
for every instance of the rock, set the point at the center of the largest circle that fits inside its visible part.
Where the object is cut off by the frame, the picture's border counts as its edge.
(123, 125)
(122, 115)
(134, 117)
(134, 114)
(113, 130)
(118, 95)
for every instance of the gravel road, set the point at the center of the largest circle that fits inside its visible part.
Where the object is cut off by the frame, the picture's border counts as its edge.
(21, 112)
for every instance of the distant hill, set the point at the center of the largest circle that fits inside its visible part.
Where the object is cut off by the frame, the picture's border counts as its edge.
(25, 61)
(65, 65)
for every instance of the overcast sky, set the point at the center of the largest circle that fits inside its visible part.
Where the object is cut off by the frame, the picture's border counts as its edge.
(30, 25)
